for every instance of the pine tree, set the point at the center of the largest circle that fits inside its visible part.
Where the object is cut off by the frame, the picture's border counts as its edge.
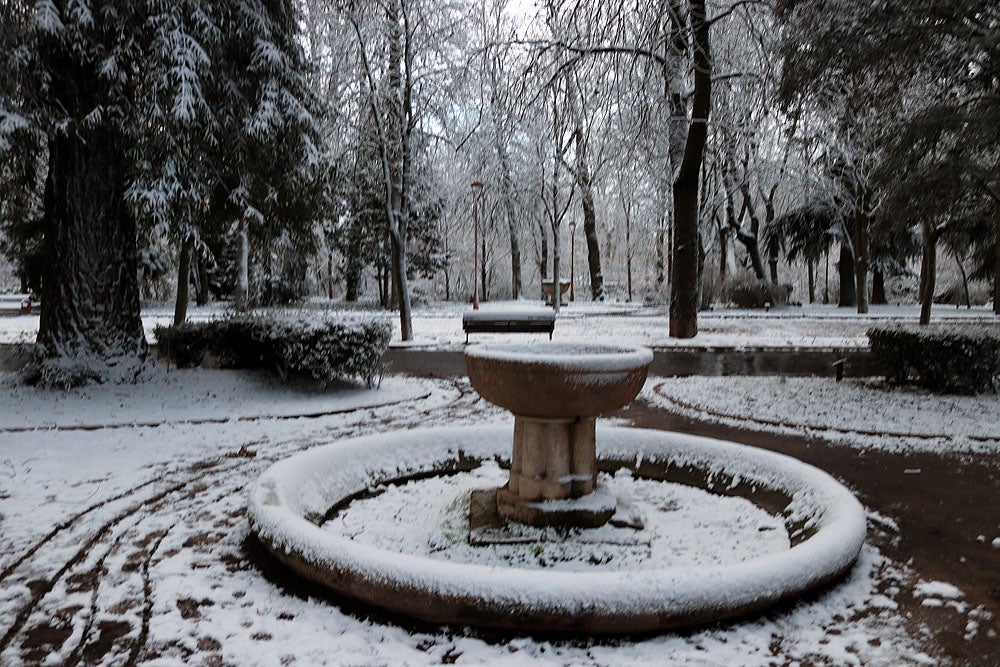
(149, 112)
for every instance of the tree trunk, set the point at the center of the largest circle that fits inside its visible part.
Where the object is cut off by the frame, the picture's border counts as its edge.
(183, 280)
(826, 282)
(329, 275)
(845, 269)
(811, 270)
(752, 240)
(556, 298)
(661, 252)
(89, 288)
(583, 181)
(590, 231)
(684, 269)
(928, 271)
(507, 204)
(628, 253)
(243, 277)
(996, 261)
(201, 291)
(965, 281)
(401, 285)
(861, 223)
(543, 259)
(878, 288)
(723, 254)
(483, 283)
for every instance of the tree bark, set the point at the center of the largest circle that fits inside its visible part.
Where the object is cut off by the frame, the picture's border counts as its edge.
(928, 271)
(183, 280)
(861, 223)
(965, 281)
(201, 291)
(996, 261)
(811, 270)
(583, 181)
(684, 269)
(89, 287)
(543, 249)
(507, 203)
(723, 254)
(878, 288)
(243, 277)
(329, 275)
(845, 269)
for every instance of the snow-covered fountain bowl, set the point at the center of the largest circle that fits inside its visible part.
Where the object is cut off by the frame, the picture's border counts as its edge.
(558, 380)
(291, 505)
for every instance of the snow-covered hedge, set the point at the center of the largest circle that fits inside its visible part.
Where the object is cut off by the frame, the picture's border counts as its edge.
(319, 346)
(745, 290)
(961, 360)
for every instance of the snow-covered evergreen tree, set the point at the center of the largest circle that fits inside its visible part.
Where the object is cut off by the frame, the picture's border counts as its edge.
(180, 114)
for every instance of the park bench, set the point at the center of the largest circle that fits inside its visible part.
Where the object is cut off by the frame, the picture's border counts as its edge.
(535, 321)
(20, 304)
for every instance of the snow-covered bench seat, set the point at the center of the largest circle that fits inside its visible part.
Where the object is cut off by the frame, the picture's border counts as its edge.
(17, 304)
(508, 321)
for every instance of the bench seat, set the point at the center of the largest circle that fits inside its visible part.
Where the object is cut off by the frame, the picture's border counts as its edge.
(508, 322)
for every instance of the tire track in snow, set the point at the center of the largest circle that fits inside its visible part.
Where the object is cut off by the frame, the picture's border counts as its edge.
(186, 482)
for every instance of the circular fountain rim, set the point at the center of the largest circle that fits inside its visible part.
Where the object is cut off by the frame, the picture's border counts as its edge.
(568, 356)
(308, 484)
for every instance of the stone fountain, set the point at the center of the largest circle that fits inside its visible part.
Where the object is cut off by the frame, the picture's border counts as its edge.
(556, 391)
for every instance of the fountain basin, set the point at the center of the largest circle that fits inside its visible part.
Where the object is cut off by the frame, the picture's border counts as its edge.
(825, 524)
(557, 380)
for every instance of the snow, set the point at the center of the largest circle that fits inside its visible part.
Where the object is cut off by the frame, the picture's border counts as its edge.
(208, 604)
(570, 357)
(188, 396)
(936, 589)
(439, 325)
(684, 526)
(862, 413)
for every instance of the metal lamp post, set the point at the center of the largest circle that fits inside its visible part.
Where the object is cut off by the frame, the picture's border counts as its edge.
(572, 260)
(477, 188)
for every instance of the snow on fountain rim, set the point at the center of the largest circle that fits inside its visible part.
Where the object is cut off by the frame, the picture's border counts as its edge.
(571, 357)
(311, 482)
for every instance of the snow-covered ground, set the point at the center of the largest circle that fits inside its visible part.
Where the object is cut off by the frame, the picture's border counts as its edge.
(858, 412)
(123, 538)
(128, 545)
(440, 324)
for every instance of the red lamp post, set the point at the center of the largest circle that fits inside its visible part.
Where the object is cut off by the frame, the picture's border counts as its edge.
(572, 260)
(477, 188)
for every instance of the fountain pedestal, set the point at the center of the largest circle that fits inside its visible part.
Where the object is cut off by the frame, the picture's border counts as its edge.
(556, 391)
(554, 459)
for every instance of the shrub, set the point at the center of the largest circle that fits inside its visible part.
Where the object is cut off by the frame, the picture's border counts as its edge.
(320, 347)
(745, 290)
(961, 360)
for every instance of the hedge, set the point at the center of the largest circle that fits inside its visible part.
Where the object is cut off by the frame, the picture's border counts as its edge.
(943, 359)
(745, 290)
(318, 346)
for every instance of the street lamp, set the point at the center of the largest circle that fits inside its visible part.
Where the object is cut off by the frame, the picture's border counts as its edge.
(572, 260)
(477, 188)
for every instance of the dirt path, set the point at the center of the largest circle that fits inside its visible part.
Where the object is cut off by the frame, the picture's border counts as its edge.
(945, 508)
